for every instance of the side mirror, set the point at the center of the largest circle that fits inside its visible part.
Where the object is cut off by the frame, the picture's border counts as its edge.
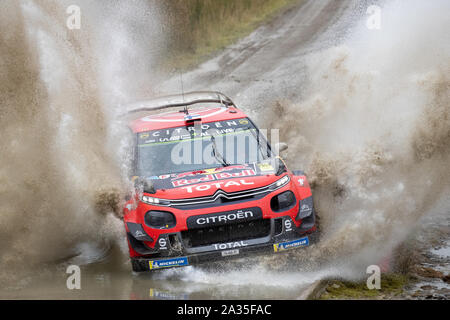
(280, 147)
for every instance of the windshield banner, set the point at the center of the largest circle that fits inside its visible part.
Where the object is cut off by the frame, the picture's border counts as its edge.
(198, 130)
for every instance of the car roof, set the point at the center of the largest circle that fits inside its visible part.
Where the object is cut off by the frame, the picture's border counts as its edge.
(147, 115)
(174, 119)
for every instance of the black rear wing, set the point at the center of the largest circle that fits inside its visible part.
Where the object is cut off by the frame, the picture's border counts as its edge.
(180, 100)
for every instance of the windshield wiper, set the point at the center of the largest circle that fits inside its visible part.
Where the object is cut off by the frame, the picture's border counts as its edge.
(217, 154)
(256, 134)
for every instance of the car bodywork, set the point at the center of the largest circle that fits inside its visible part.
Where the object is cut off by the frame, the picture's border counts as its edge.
(188, 214)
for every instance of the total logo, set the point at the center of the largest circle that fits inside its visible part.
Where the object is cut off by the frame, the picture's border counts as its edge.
(230, 245)
(217, 185)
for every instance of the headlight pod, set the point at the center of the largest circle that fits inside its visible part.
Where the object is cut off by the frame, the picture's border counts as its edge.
(160, 219)
(279, 183)
(282, 201)
(155, 201)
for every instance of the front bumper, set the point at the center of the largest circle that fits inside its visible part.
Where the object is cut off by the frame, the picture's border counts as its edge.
(283, 236)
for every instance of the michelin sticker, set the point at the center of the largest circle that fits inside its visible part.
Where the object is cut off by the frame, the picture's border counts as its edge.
(167, 263)
(303, 242)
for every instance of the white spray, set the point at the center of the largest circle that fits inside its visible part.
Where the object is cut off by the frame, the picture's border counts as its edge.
(59, 147)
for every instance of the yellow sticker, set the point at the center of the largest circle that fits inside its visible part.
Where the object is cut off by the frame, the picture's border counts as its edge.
(265, 167)
(211, 171)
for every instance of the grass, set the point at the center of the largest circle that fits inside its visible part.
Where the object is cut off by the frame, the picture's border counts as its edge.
(200, 28)
(391, 285)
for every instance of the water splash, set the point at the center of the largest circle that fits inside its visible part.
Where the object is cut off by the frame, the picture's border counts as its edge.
(373, 130)
(372, 133)
(61, 150)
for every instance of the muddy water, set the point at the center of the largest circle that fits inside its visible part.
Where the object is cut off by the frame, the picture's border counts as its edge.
(111, 279)
(61, 150)
(365, 113)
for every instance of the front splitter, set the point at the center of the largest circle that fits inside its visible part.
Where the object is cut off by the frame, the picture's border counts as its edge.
(149, 264)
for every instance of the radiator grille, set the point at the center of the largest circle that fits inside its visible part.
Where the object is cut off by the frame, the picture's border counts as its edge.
(226, 233)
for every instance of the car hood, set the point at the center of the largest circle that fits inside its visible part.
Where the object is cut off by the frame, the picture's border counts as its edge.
(207, 182)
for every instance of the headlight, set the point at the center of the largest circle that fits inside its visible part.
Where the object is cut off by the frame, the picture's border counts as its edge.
(160, 219)
(306, 208)
(279, 183)
(282, 201)
(155, 201)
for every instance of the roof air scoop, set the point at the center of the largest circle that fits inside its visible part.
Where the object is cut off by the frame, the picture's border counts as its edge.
(184, 100)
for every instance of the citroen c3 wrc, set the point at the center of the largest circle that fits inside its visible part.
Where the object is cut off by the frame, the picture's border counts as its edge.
(208, 185)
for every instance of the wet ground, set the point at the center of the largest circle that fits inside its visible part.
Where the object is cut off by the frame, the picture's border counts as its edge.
(421, 270)
(266, 66)
(430, 274)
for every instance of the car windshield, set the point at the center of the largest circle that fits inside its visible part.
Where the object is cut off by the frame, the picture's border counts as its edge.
(200, 146)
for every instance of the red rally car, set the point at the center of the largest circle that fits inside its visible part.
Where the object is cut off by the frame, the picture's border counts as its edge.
(208, 185)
